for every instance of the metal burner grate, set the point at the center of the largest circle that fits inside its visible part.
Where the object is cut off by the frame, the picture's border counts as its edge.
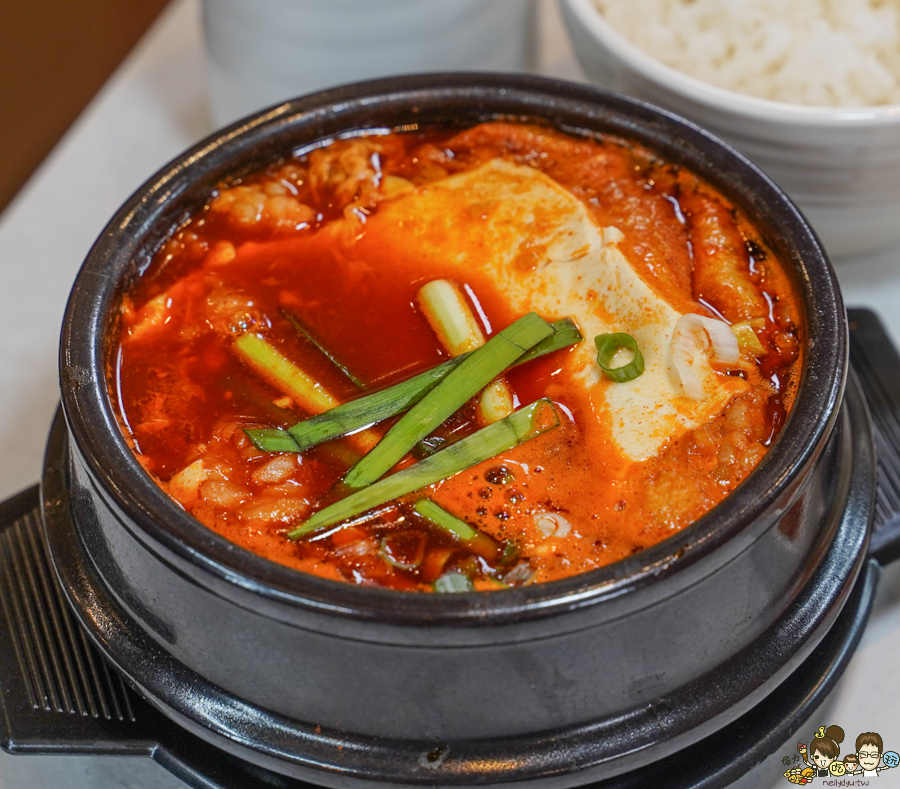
(57, 695)
(61, 672)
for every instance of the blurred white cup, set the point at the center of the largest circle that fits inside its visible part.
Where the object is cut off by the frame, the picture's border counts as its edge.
(261, 52)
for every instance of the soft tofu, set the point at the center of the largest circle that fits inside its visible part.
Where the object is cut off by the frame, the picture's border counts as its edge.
(545, 252)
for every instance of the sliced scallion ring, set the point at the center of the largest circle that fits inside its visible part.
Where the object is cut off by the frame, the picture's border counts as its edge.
(452, 582)
(607, 347)
(388, 555)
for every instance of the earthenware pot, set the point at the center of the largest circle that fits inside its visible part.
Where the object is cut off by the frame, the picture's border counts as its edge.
(553, 684)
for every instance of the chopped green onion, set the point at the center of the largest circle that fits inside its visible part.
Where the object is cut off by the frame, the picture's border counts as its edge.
(375, 407)
(307, 393)
(451, 319)
(607, 347)
(462, 383)
(747, 339)
(565, 333)
(271, 439)
(370, 409)
(490, 441)
(392, 560)
(455, 325)
(308, 335)
(495, 402)
(437, 515)
(480, 543)
(510, 553)
(453, 582)
(356, 414)
(283, 374)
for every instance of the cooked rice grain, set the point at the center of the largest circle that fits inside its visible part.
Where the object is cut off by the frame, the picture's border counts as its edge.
(842, 53)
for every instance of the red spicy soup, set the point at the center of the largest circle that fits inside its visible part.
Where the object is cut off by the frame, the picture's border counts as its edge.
(332, 276)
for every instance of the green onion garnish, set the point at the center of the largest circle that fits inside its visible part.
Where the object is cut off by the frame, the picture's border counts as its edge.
(478, 542)
(747, 339)
(375, 407)
(455, 325)
(310, 337)
(461, 384)
(369, 409)
(452, 582)
(283, 374)
(565, 333)
(388, 555)
(510, 553)
(445, 308)
(607, 347)
(518, 427)
(310, 395)
(271, 439)
(356, 414)
(437, 515)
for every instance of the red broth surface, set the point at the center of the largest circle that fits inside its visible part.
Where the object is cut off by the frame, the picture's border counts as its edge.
(331, 240)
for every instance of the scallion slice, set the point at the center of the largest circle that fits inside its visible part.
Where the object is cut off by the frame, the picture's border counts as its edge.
(271, 439)
(436, 514)
(455, 325)
(369, 409)
(748, 341)
(445, 308)
(388, 555)
(477, 541)
(283, 374)
(463, 382)
(565, 333)
(518, 427)
(607, 347)
(311, 338)
(372, 408)
(453, 582)
(495, 402)
(310, 395)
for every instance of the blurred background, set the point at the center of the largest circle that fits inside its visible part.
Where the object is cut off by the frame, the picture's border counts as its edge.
(55, 56)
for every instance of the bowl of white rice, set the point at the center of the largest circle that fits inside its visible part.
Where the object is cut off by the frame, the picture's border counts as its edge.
(808, 89)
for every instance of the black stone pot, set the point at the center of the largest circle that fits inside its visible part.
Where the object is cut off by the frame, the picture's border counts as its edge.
(551, 685)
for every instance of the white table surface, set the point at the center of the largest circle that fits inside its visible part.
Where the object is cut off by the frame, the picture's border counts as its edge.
(153, 107)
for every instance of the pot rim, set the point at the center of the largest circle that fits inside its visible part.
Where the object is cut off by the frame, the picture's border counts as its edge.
(171, 532)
